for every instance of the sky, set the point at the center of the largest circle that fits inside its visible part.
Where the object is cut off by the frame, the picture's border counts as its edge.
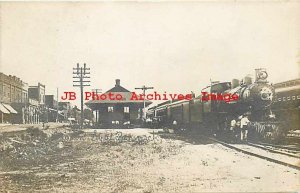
(176, 47)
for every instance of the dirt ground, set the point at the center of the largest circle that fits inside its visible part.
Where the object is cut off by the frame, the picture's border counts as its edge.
(58, 159)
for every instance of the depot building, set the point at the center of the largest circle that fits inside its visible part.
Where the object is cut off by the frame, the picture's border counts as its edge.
(117, 113)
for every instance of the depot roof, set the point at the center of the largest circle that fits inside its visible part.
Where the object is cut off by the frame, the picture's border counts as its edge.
(117, 90)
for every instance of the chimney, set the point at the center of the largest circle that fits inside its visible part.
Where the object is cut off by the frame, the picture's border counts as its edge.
(117, 82)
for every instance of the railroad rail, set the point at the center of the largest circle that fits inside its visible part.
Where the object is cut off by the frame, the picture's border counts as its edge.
(248, 152)
(278, 149)
(291, 148)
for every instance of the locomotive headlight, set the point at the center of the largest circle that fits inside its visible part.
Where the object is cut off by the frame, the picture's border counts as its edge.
(263, 75)
(266, 94)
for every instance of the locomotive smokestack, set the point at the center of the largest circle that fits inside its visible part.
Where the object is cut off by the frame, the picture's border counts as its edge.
(247, 80)
(235, 83)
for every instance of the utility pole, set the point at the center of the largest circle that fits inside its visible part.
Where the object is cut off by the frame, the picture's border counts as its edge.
(79, 74)
(57, 105)
(97, 90)
(144, 88)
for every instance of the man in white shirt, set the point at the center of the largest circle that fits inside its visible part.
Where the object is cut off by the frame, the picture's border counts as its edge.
(175, 127)
(244, 128)
(232, 130)
(232, 124)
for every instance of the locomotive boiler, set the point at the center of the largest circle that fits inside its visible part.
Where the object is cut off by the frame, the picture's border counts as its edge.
(254, 99)
(214, 116)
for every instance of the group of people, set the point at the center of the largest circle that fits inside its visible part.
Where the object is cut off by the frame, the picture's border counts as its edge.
(239, 128)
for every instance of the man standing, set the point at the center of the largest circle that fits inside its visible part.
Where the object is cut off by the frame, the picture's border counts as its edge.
(232, 130)
(174, 125)
(244, 128)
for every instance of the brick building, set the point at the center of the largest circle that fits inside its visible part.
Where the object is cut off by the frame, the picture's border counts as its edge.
(20, 103)
(50, 102)
(33, 110)
(56, 111)
(37, 93)
(12, 90)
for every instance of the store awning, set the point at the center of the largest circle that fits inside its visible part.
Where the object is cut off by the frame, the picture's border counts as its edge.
(10, 109)
(3, 109)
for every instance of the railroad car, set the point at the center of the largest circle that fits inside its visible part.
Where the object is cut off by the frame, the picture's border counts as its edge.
(287, 105)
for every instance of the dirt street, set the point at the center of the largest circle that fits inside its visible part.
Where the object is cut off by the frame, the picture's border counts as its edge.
(132, 160)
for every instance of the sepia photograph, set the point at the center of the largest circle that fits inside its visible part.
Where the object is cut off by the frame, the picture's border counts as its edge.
(150, 96)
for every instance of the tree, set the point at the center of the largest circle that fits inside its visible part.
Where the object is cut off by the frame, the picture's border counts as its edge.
(88, 114)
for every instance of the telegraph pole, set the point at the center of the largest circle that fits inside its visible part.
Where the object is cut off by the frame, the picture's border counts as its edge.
(144, 88)
(97, 90)
(57, 105)
(79, 74)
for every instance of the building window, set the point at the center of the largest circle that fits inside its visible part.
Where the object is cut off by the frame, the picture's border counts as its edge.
(126, 109)
(110, 109)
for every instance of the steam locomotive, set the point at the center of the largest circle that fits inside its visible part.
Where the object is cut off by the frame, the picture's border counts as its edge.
(214, 116)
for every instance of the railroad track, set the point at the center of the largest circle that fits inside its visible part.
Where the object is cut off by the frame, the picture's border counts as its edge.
(287, 147)
(284, 150)
(264, 152)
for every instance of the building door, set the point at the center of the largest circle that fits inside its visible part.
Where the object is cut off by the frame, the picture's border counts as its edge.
(126, 114)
